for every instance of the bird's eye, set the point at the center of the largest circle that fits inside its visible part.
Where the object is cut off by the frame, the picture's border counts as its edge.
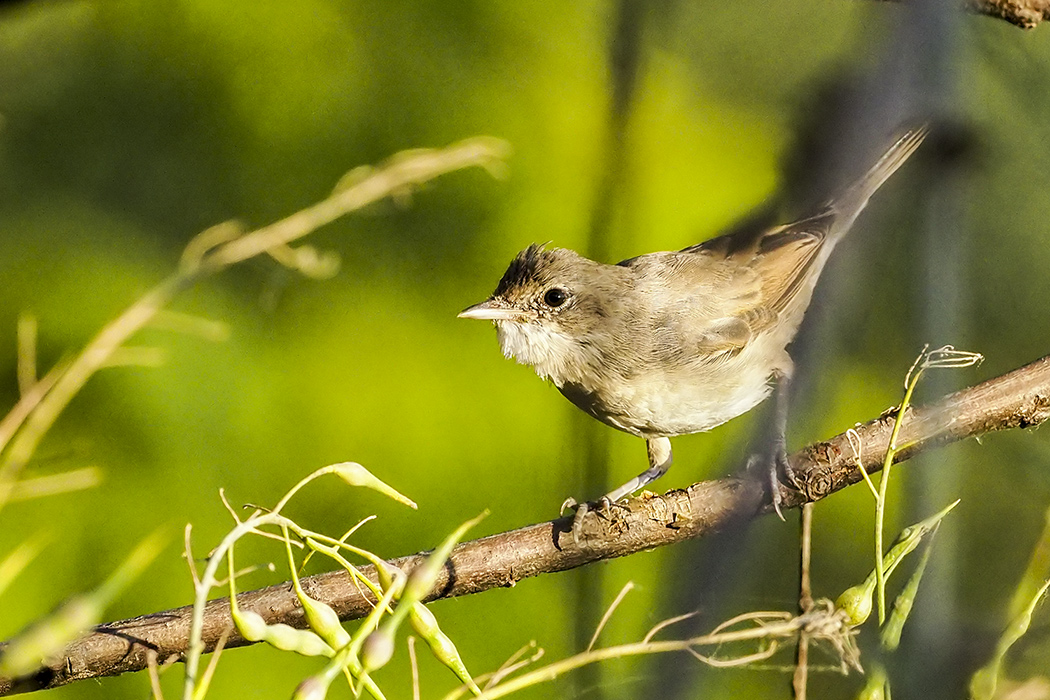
(555, 297)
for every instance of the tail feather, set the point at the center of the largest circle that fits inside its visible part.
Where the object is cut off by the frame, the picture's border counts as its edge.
(850, 203)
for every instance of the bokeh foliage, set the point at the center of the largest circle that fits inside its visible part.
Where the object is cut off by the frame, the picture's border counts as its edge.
(127, 126)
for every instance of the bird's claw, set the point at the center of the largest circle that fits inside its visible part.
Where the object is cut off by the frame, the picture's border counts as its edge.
(602, 507)
(778, 474)
(581, 509)
(569, 503)
(782, 467)
(577, 522)
(774, 490)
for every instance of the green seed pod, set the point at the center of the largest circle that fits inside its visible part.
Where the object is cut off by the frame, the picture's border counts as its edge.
(303, 642)
(873, 693)
(441, 646)
(312, 688)
(377, 650)
(250, 624)
(419, 582)
(857, 602)
(356, 475)
(324, 621)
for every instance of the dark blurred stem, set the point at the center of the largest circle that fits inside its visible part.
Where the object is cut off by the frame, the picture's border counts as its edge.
(940, 294)
(625, 48)
(593, 443)
(624, 62)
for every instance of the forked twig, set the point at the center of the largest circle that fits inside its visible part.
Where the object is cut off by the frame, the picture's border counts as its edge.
(210, 252)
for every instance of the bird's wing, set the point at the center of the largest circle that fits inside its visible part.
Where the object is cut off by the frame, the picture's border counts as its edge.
(714, 297)
(709, 301)
(760, 275)
(785, 257)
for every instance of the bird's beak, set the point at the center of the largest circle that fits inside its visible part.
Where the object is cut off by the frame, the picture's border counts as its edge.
(490, 310)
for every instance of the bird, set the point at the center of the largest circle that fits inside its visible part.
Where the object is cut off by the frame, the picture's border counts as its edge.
(677, 342)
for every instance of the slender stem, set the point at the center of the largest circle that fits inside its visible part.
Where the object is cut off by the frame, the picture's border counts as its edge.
(805, 601)
(558, 668)
(880, 502)
(195, 648)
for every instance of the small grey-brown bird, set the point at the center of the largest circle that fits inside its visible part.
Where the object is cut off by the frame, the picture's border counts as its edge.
(672, 343)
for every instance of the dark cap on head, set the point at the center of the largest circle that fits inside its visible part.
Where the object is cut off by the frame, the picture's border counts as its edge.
(527, 268)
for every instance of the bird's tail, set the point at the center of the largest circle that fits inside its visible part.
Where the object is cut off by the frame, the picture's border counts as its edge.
(851, 201)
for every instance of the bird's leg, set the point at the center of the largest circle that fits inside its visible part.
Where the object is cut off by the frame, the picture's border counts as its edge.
(660, 459)
(778, 462)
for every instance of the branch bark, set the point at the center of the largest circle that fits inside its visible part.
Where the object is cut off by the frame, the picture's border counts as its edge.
(1018, 399)
(1025, 14)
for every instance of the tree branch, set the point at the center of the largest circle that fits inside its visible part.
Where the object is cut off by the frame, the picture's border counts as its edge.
(1019, 399)
(1025, 14)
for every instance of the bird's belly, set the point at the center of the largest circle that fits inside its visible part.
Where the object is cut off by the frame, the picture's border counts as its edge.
(662, 404)
(690, 397)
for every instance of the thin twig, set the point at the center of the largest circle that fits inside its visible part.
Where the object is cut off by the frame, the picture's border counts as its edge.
(805, 597)
(154, 676)
(658, 627)
(805, 601)
(511, 665)
(555, 669)
(187, 552)
(627, 588)
(414, 666)
(213, 662)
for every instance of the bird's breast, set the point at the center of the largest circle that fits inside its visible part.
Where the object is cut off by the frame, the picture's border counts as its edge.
(682, 398)
(645, 394)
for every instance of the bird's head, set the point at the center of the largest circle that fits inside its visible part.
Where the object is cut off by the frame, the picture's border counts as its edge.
(547, 308)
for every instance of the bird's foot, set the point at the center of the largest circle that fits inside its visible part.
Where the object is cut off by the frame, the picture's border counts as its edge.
(602, 507)
(779, 474)
(778, 465)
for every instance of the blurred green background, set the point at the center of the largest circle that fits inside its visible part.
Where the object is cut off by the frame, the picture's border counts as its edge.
(126, 127)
